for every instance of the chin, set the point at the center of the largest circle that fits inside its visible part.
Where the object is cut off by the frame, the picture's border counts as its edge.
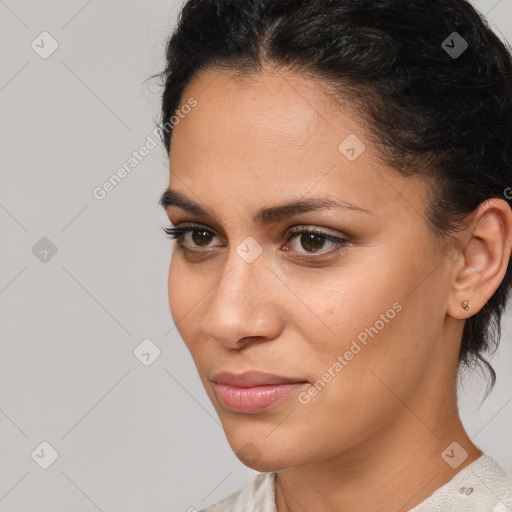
(263, 454)
(264, 463)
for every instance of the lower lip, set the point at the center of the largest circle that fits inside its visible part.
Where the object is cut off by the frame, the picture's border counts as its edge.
(255, 399)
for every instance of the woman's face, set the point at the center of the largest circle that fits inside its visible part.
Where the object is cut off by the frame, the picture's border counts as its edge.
(344, 336)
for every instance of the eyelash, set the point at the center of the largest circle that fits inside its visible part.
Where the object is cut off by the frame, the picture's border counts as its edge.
(178, 233)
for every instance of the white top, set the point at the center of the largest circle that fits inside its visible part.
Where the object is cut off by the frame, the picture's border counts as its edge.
(482, 486)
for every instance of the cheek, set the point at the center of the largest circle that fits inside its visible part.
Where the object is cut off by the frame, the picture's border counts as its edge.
(174, 289)
(189, 292)
(345, 309)
(375, 360)
(182, 297)
(366, 326)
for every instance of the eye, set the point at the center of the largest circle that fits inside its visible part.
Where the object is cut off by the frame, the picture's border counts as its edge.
(200, 235)
(311, 240)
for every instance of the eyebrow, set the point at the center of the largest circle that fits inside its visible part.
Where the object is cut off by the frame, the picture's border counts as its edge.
(266, 215)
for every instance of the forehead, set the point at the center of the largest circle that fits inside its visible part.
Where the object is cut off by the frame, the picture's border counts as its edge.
(273, 107)
(277, 134)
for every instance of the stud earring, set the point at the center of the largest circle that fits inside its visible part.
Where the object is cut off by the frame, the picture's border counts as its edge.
(465, 305)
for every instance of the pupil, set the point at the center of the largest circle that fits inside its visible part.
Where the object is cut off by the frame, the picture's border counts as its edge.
(311, 238)
(203, 238)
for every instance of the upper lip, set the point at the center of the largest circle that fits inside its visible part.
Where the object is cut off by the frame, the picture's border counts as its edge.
(251, 378)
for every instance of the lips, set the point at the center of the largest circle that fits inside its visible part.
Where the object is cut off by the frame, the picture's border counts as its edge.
(253, 392)
(251, 379)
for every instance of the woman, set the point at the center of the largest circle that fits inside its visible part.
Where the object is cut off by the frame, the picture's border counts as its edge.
(337, 178)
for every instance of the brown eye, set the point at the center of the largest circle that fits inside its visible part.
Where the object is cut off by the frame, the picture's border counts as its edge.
(311, 241)
(307, 241)
(201, 236)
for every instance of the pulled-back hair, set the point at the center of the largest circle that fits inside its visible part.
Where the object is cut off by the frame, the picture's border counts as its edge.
(430, 110)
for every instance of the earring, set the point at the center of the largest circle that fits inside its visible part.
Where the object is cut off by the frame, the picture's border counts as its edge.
(465, 305)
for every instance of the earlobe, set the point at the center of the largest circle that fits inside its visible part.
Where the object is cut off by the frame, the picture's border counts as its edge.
(485, 259)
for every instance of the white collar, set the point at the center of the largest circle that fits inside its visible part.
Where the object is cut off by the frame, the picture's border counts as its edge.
(482, 486)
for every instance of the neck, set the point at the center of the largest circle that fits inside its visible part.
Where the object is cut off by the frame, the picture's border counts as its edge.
(395, 470)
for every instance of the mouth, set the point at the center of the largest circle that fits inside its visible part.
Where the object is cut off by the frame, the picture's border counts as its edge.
(253, 392)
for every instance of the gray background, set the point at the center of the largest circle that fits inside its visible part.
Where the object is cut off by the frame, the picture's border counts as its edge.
(130, 437)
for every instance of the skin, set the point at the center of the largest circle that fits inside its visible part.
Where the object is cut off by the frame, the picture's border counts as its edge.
(373, 437)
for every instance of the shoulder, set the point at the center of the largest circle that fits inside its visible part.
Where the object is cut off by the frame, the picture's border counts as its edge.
(482, 486)
(258, 495)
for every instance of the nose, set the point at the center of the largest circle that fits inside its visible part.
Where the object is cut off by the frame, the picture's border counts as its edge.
(246, 305)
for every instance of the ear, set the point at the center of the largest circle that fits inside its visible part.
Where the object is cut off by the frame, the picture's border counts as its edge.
(484, 262)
